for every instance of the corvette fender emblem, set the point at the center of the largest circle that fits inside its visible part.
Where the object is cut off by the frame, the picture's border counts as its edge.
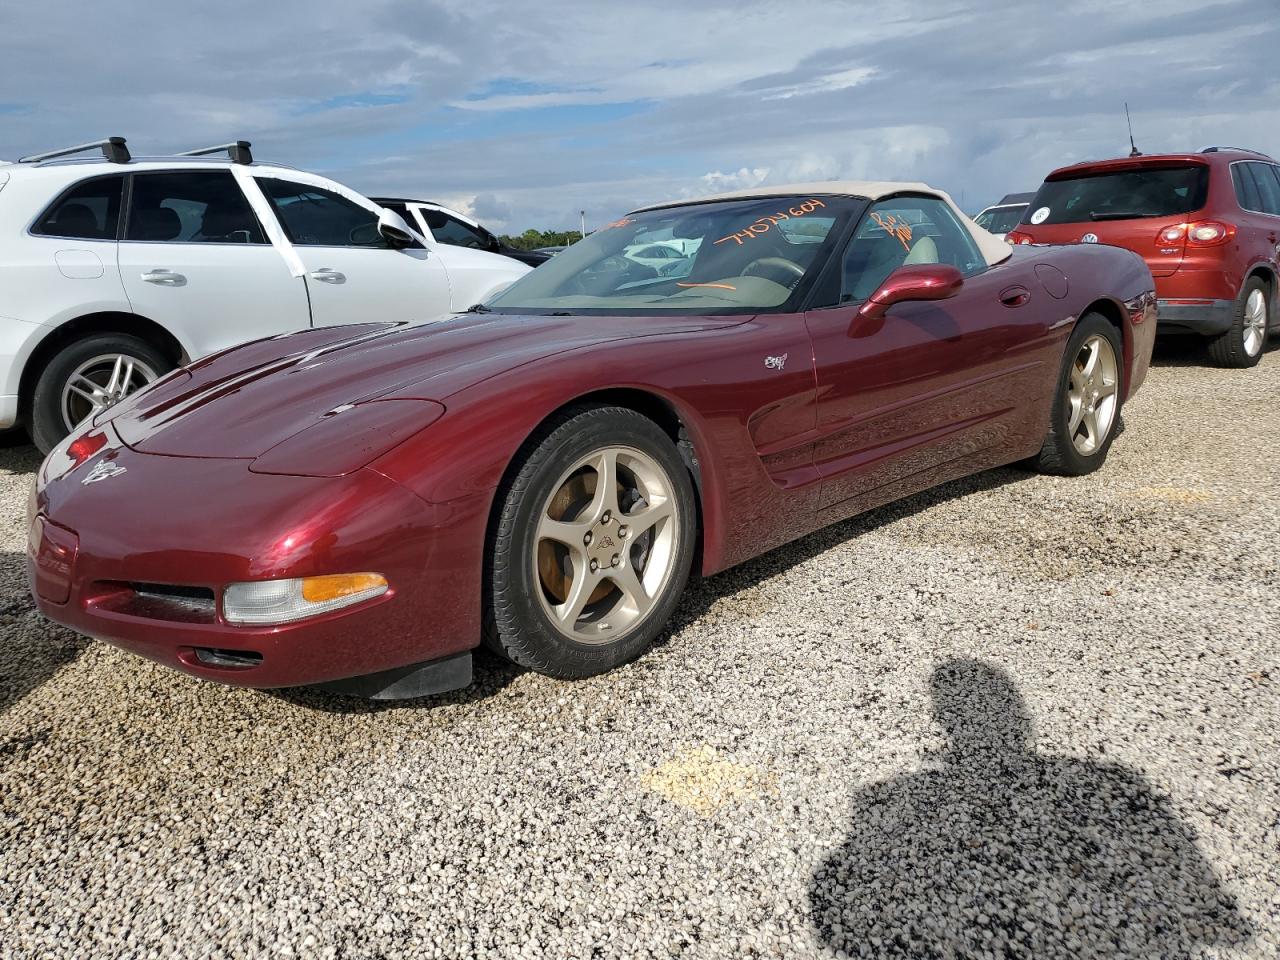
(775, 363)
(103, 470)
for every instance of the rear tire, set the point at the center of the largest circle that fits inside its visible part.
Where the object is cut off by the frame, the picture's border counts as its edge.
(1086, 401)
(1243, 344)
(583, 575)
(50, 401)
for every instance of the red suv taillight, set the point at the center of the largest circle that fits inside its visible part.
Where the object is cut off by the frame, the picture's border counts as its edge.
(1203, 233)
(1017, 236)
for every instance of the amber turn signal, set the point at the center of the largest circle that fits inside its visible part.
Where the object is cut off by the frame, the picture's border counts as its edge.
(340, 585)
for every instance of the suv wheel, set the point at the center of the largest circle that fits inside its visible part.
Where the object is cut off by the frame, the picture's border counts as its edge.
(1242, 345)
(88, 376)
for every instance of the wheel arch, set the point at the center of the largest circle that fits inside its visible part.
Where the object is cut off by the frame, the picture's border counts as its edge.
(1267, 274)
(91, 323)
(1114, 314)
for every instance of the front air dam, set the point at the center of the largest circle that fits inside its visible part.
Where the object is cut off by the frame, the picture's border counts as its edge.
(408, 683)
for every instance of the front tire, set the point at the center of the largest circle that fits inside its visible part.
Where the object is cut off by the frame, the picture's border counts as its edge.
(1241, 346)
(1086, 404)
(592, 545)
(88, 376)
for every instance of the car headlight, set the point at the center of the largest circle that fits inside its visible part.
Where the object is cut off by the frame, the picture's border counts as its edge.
(284, 601)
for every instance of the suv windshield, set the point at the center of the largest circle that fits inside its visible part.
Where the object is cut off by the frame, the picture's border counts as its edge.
(734, 256)
(1121, 195)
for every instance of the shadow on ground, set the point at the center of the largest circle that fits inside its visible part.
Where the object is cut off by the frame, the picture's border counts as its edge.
(31, 649)
(996, 850)
(1173, 350)
(492, 673)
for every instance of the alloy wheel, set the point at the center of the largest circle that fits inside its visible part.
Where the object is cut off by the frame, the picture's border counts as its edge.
(1091, 394)
(605, 545)
(100, 382)
(1255, 323)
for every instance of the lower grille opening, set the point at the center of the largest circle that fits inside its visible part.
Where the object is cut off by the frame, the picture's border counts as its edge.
(228, 659)
(198, 596)
(156, 601)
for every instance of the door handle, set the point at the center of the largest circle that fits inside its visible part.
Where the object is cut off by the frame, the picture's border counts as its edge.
(328, 275)
(165, 278)
(1015, 296)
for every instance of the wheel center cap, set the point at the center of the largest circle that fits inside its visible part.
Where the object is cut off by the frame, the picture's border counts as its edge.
(606, 543)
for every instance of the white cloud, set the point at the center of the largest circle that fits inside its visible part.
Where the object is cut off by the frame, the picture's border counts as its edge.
(980, 100)
(741, 179)
(841, 80)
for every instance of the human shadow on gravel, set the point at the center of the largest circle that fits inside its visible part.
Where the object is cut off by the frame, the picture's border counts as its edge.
(995, 850)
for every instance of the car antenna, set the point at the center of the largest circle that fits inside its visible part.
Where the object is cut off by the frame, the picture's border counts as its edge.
(1133, 147)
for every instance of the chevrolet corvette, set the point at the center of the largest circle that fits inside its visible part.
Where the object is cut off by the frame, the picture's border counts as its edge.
(360, 507)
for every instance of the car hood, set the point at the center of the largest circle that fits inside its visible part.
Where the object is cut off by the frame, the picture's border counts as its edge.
(244, 401)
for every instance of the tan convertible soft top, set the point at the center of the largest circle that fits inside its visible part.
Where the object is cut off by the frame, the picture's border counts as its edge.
(993, 248)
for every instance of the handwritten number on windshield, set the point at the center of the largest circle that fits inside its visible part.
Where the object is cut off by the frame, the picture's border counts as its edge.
(773, 219)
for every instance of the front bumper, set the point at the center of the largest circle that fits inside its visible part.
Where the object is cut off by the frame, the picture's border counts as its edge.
(1207, 318)
(98, 549)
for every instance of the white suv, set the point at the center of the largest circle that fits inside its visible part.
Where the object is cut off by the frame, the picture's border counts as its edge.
(114, 270)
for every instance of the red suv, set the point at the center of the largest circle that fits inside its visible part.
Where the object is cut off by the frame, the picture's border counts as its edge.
(1207, 224)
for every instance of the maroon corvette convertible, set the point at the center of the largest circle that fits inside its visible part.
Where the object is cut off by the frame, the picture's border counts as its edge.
(358, 507)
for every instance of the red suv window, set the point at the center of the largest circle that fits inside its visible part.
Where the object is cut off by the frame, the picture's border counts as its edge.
(1257, 186)
(1129, 194)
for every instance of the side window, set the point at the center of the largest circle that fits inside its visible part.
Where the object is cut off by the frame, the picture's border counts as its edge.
(315, 217)
(905, 231)
(403, 210)
(88, 211)
(447, 229)
(1246, 189)
(192, 206)
(1264, 175)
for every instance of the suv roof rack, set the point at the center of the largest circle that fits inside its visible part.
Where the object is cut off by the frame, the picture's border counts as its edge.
(236, 150)
(113, 148)
(1256, 153)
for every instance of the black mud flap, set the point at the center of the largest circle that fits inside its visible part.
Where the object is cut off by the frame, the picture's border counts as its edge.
(407, 683)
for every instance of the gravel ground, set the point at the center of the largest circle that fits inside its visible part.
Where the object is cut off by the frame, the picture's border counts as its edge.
(1018, 716)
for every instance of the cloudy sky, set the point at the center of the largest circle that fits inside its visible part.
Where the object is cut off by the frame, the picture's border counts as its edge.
(526, 113)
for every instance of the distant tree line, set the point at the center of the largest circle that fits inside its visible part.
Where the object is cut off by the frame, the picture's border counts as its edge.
(533, 239)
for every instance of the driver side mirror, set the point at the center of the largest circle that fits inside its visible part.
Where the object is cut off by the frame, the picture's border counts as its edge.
(934, 281)
(394, 230)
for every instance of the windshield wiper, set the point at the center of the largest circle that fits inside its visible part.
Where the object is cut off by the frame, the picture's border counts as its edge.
(478, 308)
(1117, 215)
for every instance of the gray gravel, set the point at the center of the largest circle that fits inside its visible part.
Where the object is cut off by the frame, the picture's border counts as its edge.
(1017, 716)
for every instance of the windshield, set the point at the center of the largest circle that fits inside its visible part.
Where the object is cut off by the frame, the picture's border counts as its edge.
(1001, 219)
(739, 256)
(1121, 195)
